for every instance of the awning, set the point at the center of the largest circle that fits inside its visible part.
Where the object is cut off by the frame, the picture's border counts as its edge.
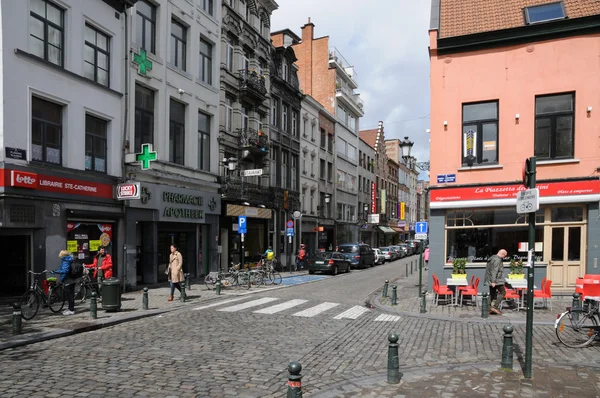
(399, 230)
(386, 230)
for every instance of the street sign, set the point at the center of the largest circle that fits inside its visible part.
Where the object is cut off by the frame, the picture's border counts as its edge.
(289, 232)
(253, 172)
(242, 225)
(297, 215)
(290, 224)
(528, 201)
(421, 228)
(130, 190)
(421, 236)
(373, 218)
(443, 178)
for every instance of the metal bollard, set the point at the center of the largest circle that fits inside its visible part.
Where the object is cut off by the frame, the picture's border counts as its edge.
(385, 289)
(411, 267)
(93, 307)
(188, 282)
(393, 370)
(575, 304)
(17, 319)
(406, 270)
(507, 347)
(294, 380)
(423, 302)
(145, 299)
(182, 292)
(218, 286)
(394, 295)
(485, 310)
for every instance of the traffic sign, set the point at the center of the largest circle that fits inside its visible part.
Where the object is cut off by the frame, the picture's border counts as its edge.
(290, 224)
(528, 201)
(421, 227)
(242, 225)
(289, 232)
(297, 215)
(421, 236)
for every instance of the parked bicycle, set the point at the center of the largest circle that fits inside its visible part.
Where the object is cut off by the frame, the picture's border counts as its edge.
(578, 326)
(233, 277)
(30, 301)
(271, 276)
(84, 286)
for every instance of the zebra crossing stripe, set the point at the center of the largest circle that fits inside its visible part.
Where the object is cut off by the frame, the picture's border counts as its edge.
(317, 309)
(387, 318)
(249, 304)
(352, 313)
(219, 303)
(281, 307)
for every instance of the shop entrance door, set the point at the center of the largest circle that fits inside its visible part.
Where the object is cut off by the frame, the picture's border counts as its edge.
(165, 240)
(16, 262)
(566, 256)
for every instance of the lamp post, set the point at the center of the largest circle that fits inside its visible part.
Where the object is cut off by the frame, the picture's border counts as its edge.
(327, 200)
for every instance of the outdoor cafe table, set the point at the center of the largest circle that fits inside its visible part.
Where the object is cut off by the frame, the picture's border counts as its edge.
(456, 282)
(521, 286)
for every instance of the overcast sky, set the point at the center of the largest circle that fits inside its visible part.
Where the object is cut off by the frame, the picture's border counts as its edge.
(386, 41)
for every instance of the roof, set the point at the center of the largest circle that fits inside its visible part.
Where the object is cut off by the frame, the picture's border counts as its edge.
(466, 17)
(369, 136)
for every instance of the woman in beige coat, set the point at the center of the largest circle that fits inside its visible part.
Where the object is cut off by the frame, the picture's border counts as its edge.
(175, 270)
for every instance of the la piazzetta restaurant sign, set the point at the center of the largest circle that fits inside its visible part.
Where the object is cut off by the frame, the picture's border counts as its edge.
(547, 189)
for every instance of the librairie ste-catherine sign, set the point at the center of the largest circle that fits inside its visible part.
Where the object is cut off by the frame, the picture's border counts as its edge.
(562, 188)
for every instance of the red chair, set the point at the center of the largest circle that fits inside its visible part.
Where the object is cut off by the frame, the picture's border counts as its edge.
(580, 286)
(470, 286)
(441, 290)
(543, 289)
(512, 294)
(545, 294)
(470, 291)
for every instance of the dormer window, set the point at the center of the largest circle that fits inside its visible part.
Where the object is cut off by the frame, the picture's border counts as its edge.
(544, 12)
(285, 69)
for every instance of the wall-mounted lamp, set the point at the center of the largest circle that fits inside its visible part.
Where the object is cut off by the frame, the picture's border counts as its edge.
(445, 123)
(181, 91)
(589, 109)
(517, 116)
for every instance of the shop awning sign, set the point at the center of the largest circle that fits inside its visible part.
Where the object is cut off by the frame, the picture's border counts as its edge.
(130, 190)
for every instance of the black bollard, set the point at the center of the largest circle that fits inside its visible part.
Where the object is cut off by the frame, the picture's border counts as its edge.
(485, 310)
(406, 270)
(182, 292)
(188, 282)
(17, 319)
(411, 267)
(394, 295)
(507, 348)
(294, 380)
(393, 370)
(93, 306)
(145, 299)
(423, 302)
(575, 304)
(385, 289)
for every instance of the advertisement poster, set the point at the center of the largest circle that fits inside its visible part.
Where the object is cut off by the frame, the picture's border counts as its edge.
(84, 239)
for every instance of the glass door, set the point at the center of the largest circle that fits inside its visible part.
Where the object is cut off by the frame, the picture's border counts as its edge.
(566, 250)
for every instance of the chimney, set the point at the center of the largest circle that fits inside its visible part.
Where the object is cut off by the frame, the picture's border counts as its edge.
(308, 31)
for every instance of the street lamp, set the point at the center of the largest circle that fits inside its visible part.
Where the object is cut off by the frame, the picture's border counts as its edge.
(230, 163)
(327, 199)
(405, 147)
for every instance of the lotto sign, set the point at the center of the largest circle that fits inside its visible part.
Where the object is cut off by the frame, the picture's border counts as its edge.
(23, 179)
(128, 191)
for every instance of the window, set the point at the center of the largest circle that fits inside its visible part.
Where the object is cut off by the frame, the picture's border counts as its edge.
(480, 133)
(96, 56)
(176, 132)
(312, 164)
(144, 117)
(322, 169)
(46, 31)
(351, 152)
(304, 123)
(544, 12)
(284, 169)
(261, 121)
(294, 179)
(246, 59)
(243, 8)
(284, 119)
(46, 131)
(205, 61)
(294, 124)
(232, 3)
(229, 54)
(245, 118)
(312, 201)
(228, 113)
(303, 162)
(329, 171)
(203, 141)
(95, 144)
(273, 170)
(285, 70)
(303, 200)
(323, 139)
(207, 6)
(554, 126)
(312, 131)
(274, 111)
(178, 44)
(145, 26)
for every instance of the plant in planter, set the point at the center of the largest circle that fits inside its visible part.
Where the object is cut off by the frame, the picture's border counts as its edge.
(516, 269)
(459, 268)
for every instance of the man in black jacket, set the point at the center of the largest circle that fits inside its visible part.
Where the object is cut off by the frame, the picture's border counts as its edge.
(494, 278)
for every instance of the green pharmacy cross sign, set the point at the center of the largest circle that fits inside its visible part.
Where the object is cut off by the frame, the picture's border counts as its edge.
(147, 156)
(142, 60)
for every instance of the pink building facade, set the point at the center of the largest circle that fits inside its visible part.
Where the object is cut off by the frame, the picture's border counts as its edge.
(499, 96)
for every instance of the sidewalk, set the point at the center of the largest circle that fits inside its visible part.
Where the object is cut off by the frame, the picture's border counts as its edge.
(47, 325)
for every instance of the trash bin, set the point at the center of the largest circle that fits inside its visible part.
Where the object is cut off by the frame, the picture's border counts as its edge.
(111, 294)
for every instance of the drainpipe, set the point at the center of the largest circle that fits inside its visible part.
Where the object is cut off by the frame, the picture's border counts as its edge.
(125, 124)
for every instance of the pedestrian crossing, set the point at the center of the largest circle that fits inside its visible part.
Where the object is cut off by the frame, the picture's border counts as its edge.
(307, 308)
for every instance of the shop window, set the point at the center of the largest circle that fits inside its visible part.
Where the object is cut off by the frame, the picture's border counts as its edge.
(480, 133)
(477, 244)
(567, 214)
(84, 239)
(504, 216)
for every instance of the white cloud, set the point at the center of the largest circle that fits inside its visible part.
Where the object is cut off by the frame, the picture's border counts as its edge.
(386, 41)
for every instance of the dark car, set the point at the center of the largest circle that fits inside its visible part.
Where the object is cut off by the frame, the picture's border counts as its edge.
(405, 249)
(398, 251)
(360, 255)
(332, 262)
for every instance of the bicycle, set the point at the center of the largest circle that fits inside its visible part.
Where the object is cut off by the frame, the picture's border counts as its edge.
(233, 277)
(270, 275)
(30, 301)
(578, 326)
(85, 287)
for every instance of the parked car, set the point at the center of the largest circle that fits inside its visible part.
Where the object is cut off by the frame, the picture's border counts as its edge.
(360, 254)
(379, 256)
(398, 250)
(331, 262)
(405, 249)
(387, 253)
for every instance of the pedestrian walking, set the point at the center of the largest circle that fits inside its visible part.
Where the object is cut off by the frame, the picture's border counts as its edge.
(105, 261)
(175, 270)
(426, 257)
(494, 278)
(67, 280)
(301, 258)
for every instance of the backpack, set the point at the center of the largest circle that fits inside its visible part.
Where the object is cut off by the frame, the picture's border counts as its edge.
(270, 255)
(76, 270)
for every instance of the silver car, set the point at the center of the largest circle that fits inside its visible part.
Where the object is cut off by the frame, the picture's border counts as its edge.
(379, 256)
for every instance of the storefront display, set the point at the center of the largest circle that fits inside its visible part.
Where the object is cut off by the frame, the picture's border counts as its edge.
(84, 239)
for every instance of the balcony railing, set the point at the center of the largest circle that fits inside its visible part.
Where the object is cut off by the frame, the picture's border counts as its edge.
(351, 95)
(255, 141)
(253, 83)
(338, 59)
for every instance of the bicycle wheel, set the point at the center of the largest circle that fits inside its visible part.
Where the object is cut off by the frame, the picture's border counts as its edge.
(82, 293)
(30, 304)
(243, 280)
(575, 331)
(257, 279)
(56, 300)
(275, 277)
(210, 281)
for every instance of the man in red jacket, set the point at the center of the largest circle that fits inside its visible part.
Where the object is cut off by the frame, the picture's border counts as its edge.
(105, 261)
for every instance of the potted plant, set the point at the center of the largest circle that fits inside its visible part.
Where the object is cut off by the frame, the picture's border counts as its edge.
(516, 269)
(458, 268)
